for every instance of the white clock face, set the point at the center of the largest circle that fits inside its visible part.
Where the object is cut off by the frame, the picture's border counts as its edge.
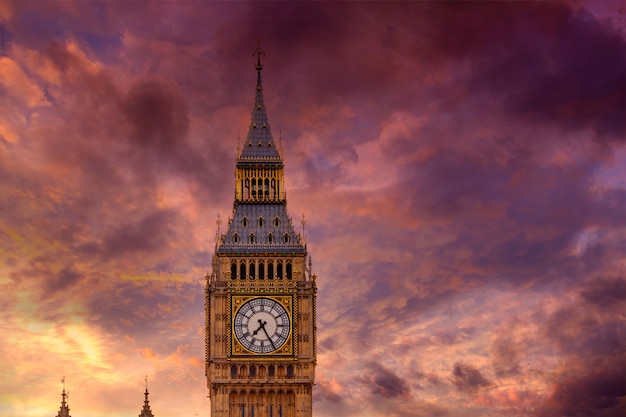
(261, 325)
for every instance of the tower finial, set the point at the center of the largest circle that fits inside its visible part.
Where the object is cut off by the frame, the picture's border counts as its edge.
(64, 394)
(258, 52)
(64, 410)
(146, 412)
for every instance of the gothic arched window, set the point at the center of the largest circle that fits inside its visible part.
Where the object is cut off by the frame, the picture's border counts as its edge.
(244, 222)
(260, 221)
(279, 269)
(270, 238)
(286, 238)
(276, 222)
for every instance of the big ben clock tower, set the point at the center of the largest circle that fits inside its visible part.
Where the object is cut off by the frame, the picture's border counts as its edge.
(260, 296)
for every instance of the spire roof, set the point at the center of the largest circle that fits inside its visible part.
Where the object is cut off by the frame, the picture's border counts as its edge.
(259, 144)
(64, 410)
(145, 411)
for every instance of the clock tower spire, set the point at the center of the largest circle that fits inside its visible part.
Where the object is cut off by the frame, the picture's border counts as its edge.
(260, 296)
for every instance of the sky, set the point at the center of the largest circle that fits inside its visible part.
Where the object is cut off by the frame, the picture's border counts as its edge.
(461, 167)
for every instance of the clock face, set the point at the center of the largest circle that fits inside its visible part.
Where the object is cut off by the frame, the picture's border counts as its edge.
(262, 325)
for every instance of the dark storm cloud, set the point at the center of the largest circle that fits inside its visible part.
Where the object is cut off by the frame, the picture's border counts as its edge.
(590, 332)
(383, 381)
(125, 137)
(468, 378)
(600, 391)
(605, 291)
(157, 113)
(62, 280)
(158, 116)
(545, 60)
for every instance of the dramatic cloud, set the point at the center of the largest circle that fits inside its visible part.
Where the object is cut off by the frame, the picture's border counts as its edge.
(384, 382)
(468, 378)
(460, 167)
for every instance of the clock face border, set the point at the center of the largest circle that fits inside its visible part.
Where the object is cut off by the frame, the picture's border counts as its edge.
(286, 301)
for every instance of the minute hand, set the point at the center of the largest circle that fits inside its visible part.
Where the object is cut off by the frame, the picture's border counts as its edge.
(268, 337)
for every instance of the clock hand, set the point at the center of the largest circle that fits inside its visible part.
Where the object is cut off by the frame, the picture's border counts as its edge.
(268, 337)
(261, 324)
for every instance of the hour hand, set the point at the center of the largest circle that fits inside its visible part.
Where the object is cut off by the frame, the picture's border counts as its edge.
(261, 326)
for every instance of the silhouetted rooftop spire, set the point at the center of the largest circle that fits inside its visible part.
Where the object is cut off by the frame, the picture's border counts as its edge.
(146, 412)
(64, 410)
